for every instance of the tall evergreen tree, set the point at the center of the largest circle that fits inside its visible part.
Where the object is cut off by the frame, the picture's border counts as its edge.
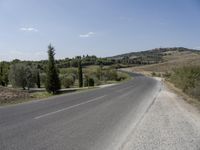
(52, 79)
(38, 79)
(80, 73)
(3, 74)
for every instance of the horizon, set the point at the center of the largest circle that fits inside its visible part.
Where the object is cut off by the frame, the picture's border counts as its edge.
(96, 55)
(100, 28)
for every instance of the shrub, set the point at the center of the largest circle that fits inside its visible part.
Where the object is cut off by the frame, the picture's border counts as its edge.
(88, 81)
(43, 78)
(153, 74)
(91, 82)
(110, 74)
(121, 76)
(67, 81)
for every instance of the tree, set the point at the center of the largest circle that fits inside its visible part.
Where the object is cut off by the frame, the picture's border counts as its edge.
(52, 80)
(29, 77)
(38, 78)
(4, 74)
(80, 73)
(21, 75)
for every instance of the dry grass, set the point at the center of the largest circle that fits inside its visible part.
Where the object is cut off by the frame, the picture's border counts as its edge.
(8, 95)
(172, 61)
(187, 98)
(175, 60)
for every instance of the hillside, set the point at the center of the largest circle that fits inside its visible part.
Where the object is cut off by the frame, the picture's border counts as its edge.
(180, 67)
(170, 58)
(174, 60)
(154, 52)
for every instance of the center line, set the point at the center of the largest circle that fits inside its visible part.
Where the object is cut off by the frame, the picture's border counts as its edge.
(70, 107)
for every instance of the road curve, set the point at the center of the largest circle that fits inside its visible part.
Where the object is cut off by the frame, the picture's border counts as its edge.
(99, 119)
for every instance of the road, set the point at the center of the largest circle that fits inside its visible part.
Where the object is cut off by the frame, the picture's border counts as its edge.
(97, 119)
(100, 119)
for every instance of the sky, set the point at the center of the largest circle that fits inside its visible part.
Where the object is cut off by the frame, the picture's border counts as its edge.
(95, 27)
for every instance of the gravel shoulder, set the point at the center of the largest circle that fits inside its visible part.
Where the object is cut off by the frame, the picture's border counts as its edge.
(170, 123)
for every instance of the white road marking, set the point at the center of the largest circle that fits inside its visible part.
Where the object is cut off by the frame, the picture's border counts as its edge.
(70, 107)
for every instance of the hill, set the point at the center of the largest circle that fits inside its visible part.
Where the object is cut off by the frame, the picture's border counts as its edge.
(171, 58)
(179, 66)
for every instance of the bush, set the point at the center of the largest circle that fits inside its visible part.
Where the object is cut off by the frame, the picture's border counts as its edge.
(91, 82)
(110, 74)
(43, 78)
(167, 75)
(67, 81)
(88, 81)
(71, 71)
(153, 74)
(122, 76)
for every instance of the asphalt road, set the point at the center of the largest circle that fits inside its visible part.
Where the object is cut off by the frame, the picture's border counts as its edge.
(93, 120)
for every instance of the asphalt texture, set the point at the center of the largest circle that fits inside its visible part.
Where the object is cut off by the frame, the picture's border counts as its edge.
(99, 119)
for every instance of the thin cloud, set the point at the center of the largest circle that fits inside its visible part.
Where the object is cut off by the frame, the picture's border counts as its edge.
(89, 34)
(29, 29)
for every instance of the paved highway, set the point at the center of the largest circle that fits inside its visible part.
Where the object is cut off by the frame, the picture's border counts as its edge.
(99, 119)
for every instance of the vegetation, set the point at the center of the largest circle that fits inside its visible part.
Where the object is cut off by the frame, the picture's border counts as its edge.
(67, 81)
(38, 78)
(4, 74)
(52, 80)
(180, 66)
(80, 73)
(187, 79)
(22, 76)
(93, 71)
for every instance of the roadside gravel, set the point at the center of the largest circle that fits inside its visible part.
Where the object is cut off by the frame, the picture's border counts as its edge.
(170, 124)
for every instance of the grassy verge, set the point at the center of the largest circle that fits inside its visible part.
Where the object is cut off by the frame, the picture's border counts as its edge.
(39, 96)
(14, 96)
(185, 96)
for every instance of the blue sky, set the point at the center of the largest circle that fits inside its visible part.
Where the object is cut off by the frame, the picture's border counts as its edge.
(99, 27)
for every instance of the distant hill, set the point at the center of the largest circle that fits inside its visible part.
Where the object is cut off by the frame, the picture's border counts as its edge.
(153, 52)
(153, 56)
(171, 58)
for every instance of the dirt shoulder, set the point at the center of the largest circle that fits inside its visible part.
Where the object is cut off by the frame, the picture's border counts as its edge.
(170, 86)
(170, 123)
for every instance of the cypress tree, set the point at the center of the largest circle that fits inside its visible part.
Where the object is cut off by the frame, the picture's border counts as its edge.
(1, 74)
(80, 73)
(52, 79)
(38, 79)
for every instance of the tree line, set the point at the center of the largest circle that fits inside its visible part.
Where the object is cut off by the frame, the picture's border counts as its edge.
(27, 74)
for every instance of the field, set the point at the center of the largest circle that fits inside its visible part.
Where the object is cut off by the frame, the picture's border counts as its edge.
(182, 69)
(171, 61)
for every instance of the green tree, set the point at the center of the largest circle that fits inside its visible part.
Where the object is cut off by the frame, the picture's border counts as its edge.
(38, 78)
(21, 75)
(29, 77)
(52, 80)
(80, 72)
(4, 74)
